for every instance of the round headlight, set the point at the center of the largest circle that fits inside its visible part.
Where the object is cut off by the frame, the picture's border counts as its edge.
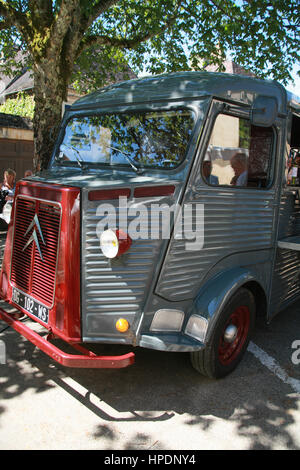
(109, 243)
(114, 243)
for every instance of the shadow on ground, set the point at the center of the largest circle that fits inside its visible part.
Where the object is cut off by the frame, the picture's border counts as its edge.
(158, 386)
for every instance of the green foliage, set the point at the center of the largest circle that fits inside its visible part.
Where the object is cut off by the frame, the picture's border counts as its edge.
(261, 35)
(23, 105)
(99, 37)
(156, 37)
(98, 67)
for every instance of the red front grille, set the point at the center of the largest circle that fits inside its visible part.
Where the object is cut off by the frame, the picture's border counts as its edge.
(32, 272)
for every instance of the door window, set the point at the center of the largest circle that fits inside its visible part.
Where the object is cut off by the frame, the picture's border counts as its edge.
(239, 154)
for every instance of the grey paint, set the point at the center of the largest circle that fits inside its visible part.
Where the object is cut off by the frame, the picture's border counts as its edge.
(184, 85)
(242, 226)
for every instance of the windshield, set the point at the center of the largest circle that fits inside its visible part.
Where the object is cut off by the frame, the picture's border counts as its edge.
(144, 139)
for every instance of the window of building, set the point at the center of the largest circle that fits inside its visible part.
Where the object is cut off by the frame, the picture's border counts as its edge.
(239, 154)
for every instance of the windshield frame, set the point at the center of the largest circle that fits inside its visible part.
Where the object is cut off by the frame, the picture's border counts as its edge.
(193, 108)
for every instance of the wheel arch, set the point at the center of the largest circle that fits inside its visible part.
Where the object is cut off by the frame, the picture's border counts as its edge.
(215, 294)
(260, 298)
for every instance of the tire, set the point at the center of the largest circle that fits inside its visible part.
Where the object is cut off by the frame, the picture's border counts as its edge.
(220, 358)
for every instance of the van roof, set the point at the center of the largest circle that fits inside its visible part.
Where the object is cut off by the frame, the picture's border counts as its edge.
(188, 86)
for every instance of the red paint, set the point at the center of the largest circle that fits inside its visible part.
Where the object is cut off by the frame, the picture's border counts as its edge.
(228, 352)
(40, 282)
(148, 191)
(124, 242)
(86, 360)
(40, 190)
(108, 194)
(58, 283)
(64, 314)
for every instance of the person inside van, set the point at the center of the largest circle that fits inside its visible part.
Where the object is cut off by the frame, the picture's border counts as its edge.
(239, 164)
(206, 171)
(8, 188)
(3, 223)
(9, 183)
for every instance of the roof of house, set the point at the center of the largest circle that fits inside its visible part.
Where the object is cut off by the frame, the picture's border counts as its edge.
(231, 67)
(23, 80)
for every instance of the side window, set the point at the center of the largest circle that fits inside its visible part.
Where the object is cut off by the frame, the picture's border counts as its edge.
(238, 154)
(293, 154)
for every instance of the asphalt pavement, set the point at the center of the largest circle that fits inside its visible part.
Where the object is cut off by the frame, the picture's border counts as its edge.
(160, 403)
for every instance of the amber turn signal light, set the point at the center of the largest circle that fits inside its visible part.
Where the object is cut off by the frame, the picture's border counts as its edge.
(122, 325)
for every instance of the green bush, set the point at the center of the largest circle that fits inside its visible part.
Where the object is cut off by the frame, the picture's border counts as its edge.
(23, 105)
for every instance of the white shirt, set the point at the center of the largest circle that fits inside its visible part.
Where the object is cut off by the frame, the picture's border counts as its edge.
(242, 179)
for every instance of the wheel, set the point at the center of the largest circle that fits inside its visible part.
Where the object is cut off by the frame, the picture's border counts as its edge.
(229, 338)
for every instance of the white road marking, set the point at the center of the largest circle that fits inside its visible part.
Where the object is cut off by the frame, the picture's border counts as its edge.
(274, 367)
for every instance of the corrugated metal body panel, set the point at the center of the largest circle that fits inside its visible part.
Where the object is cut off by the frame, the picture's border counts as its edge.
(114, 288)
(234, 221)
(286, 275)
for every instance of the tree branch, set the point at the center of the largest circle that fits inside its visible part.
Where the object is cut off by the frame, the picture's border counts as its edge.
(6, 24)
(41, 11)
(225, 13)
(64, 19)
(108, 41)
(72, 18)
(126, 43)
(13, 16)
(100, 7)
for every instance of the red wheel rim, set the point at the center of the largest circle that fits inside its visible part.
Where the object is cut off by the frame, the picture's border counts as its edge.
(228, 352)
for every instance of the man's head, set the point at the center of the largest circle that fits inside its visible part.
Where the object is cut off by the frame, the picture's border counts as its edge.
(239, 163)
(9, 177)
(206, 168)
(207, 165)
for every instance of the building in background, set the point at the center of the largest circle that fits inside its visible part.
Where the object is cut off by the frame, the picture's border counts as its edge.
(16, 132)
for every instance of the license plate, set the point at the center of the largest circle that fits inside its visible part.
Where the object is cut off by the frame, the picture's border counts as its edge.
(30, 305)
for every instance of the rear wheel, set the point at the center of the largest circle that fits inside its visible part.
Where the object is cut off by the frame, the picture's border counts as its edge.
(229, 338)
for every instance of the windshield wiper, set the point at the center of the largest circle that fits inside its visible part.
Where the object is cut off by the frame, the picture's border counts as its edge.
(78, 157)
(126, 155)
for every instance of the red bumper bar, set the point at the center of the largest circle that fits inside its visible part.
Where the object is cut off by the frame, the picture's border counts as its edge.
(88, 360)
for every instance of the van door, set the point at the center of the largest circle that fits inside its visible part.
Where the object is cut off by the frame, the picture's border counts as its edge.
(233, 178)
(286, 275)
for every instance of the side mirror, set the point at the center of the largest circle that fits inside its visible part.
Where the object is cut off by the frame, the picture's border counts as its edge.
(264, 111)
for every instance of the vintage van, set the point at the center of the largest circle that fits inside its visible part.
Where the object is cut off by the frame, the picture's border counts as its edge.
(165, 221)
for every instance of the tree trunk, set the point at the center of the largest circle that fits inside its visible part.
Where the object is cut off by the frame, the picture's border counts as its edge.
(50, 91)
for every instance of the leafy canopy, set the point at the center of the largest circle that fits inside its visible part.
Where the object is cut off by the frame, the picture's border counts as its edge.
(155, 37)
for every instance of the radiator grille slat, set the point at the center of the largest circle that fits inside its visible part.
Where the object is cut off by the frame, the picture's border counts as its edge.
(30, 273)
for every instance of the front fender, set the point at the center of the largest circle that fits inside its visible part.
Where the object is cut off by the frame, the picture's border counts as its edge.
(213, 296)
